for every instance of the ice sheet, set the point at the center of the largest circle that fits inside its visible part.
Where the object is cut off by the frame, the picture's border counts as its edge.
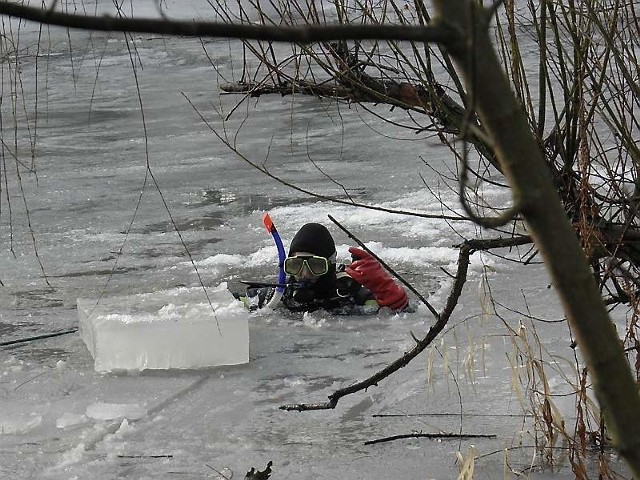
(176, 328)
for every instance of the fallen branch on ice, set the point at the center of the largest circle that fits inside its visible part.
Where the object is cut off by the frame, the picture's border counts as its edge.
(455, 436)
(39, 337)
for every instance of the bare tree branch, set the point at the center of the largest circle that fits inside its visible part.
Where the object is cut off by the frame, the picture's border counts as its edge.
(455, 436)
(166, 26)
(407, 357)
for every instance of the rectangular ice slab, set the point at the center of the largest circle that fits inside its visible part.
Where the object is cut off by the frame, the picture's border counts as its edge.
(166, 329)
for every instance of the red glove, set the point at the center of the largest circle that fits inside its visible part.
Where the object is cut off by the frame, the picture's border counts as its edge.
(368, 272)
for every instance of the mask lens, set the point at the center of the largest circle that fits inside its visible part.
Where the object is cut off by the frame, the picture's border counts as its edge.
(318, 265)
(293, 265)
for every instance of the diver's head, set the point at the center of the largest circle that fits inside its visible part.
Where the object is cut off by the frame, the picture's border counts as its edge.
(312, 255)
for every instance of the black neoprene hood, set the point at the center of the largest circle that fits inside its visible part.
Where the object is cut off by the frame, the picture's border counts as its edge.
(313, 238)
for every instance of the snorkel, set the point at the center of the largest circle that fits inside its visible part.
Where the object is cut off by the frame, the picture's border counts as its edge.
(282, 277)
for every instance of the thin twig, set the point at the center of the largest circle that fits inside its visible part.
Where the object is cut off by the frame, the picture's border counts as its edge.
(454, 436)
(446, 414)
(145, 456)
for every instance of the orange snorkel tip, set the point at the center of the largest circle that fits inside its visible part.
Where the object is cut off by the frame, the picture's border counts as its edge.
(268, 223)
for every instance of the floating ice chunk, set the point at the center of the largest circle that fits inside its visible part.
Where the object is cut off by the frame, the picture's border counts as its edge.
(14, 423)
(111, 411)
(70, 420)
(167, 329)
(70, 457)
(124, 428)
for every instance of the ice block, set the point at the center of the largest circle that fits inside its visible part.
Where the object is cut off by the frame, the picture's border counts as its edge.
(167, 329)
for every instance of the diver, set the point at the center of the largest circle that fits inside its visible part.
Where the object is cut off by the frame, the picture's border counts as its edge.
(315, 281)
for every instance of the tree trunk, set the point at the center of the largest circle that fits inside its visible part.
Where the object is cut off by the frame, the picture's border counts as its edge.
(538, 201)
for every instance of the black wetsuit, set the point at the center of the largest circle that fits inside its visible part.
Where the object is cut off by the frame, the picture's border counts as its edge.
(336, 292)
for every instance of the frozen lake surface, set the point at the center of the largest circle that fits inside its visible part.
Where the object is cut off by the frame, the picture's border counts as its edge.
(102, 205)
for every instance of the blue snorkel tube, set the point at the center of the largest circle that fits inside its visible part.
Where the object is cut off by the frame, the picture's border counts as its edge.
(282, 277)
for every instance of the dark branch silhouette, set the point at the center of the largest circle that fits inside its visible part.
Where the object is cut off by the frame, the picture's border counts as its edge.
(192, 28)
(407, 357)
